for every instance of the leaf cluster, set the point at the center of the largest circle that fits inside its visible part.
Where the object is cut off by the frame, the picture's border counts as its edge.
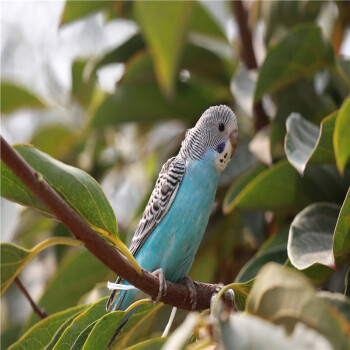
(280, 231)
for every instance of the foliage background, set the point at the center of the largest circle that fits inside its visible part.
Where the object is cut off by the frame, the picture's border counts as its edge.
(109, 92)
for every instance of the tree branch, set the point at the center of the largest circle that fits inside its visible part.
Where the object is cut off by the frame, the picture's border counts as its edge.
(41, 313)
(248, 56)
(177, 294)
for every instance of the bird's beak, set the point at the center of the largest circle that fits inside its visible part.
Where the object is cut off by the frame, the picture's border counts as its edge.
(233, 139)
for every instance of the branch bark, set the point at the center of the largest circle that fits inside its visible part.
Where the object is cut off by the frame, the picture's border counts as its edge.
(248, 56)
(41, 313)
(177, 294)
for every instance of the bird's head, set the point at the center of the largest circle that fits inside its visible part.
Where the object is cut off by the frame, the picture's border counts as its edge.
(216, 129)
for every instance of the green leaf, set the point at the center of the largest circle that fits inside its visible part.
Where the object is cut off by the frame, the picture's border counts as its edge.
(238, 186)
(150, 344)
(341, 242)
(242, 291)
(124, 52)
(139, 84)
(298, 55)
(273, 250)
(305, 142)
(311, 236)
(74, 10)
(77, 274)
(203, 22)
(79, 343)
(285, 297)
(166, 45)
(338, 301)
(136, 326)
(108, 324)
(40, 335)
(15, 97)
(279, 188)
(83, 83)
(245, 331)
(80, 323)
(303, 98)
(341, 137)
(103, 331)
(59, 332)
(14, 258)
(76, 187)
(56, 140)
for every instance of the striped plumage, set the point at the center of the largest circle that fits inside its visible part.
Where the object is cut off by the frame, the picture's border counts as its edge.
(175, 218)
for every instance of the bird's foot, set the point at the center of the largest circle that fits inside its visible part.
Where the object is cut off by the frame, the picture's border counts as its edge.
(192, 289)
(162, 284)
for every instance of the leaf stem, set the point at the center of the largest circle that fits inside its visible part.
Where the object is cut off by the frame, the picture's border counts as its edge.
(41, 313)
(248, 56)
(236, 287)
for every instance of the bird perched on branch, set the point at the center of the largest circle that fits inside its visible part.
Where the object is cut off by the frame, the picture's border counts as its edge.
(173, 223)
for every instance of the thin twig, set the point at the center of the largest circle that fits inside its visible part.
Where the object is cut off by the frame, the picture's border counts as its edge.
(177, 294)
(248, 56)
(41, 313)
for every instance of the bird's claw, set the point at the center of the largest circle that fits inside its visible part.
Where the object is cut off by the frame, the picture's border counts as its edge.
(163, 288)
(192, 289)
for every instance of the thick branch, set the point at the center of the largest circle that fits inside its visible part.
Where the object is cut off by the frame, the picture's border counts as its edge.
(248, 56)
(41, 313)
(177, 294)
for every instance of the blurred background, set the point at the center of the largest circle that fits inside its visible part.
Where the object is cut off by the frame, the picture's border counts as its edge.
(86, 83)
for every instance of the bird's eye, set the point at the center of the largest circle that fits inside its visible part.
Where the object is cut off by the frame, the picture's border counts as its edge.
(221, 127)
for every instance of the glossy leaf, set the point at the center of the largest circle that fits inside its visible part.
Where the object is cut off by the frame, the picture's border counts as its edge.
(76, 187)
(40, 335)
(279, 188)
(139, 84)
(124, 52)
(79, 343)
(56, 140)
(59, 332)
(241, 292)
(311, 236)
(245, 331)
(339, 301)
(203, 22)
(77, 274)
(235, 189)
(74, 10)
(166, 45)
(286, 297)
(137, 324)
(298, 55)
(80, 323)
(341, 242)
(150, 344)
(15, 97)
(305, 142)
(83, 84)
(273, 250)
(104, 329)
(14, 258)
(341, 136)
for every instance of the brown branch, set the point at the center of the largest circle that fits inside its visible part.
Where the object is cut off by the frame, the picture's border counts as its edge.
(177, 294)
(41, 313)
(248, 56)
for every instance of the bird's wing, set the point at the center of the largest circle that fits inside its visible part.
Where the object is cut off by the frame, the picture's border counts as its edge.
(162, 197)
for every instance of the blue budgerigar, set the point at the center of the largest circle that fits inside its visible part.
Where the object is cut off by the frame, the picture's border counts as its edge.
(173, 223)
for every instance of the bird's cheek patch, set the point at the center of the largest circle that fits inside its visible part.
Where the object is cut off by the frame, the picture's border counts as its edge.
(224, 157)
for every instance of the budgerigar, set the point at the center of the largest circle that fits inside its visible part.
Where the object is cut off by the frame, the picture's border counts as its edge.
(175, 218)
